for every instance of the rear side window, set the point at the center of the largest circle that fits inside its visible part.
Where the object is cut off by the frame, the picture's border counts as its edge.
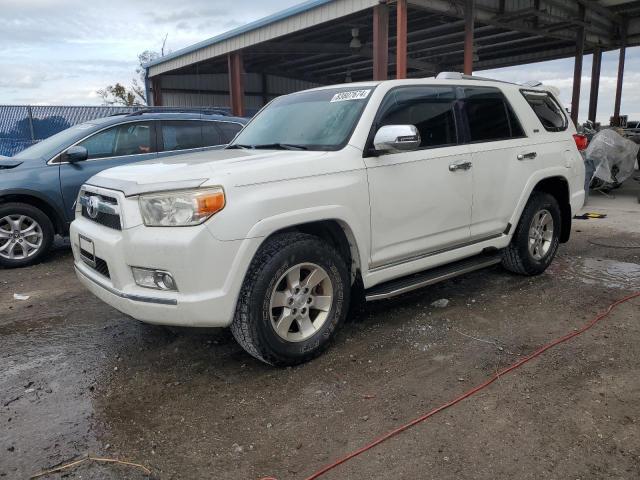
(229, 130)
(547, 110)
(489, 115)
(430, 109)
(181, 135)
(126, 139)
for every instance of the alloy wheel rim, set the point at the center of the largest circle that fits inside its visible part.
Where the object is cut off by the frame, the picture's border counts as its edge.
(20, 237)
(541, 234)
(300, 302)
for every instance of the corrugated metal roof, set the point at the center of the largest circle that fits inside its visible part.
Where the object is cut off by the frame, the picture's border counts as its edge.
(289, 12)
(299, 17)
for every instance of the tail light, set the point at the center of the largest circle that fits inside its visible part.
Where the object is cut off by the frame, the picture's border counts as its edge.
(581, 141)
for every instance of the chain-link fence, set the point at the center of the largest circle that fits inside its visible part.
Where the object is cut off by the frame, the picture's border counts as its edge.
(23, 125)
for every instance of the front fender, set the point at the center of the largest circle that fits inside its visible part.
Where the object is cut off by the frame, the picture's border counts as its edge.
(42, 198)
(347, 219)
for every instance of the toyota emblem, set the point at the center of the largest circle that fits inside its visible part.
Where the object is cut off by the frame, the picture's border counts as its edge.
(92, 207)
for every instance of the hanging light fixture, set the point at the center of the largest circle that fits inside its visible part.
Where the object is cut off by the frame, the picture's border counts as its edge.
(355, 40)
(347, 78)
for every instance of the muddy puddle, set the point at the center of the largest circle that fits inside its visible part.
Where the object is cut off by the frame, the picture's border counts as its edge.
(605, 272)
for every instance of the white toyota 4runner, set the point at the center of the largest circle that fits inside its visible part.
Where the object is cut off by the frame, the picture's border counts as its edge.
(384, 186)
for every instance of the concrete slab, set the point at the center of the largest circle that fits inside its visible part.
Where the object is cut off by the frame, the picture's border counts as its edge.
(621, 207)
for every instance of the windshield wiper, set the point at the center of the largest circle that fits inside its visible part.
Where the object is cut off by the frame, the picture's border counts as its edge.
(237, 145)
(280, 146)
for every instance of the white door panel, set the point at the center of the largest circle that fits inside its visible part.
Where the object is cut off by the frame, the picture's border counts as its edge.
(418, 205)
(499, 178)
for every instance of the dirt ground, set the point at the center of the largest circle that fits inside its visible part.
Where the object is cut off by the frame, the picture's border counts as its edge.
(78, 377)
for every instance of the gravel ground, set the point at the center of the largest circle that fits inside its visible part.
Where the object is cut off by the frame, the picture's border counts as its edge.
(78, 377)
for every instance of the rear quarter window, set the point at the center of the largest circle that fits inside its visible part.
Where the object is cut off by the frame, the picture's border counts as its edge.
(547, 109)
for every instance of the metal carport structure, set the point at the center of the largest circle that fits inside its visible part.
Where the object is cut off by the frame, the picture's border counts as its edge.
(334, 41)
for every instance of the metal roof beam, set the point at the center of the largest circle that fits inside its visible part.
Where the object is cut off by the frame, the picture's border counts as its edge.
(550, 52)
(479, 48)
(574, 13)
(479, 42)
(413, 63)
(489, 17)
(596, 7)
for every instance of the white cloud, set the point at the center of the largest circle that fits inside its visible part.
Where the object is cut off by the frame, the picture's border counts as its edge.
(55, 51)
(559, 73)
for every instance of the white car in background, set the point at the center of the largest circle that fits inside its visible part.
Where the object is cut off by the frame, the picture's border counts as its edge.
(388, 186)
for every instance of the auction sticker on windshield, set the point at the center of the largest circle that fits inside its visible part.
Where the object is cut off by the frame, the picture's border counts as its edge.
(350, 95)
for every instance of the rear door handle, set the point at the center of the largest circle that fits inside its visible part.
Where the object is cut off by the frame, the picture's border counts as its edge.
(527, 156)
(459, 166)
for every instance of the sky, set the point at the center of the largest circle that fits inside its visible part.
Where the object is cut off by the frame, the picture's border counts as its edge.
(55, 52)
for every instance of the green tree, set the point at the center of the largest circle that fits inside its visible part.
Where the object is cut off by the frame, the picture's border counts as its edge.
(118, 94)
(136, 95)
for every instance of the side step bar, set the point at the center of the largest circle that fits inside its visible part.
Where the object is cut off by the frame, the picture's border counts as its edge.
(429, 277)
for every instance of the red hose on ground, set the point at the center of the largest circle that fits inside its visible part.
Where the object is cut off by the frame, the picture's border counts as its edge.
(471, 392)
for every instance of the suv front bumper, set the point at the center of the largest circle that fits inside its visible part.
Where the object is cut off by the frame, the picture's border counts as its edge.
(208, 272)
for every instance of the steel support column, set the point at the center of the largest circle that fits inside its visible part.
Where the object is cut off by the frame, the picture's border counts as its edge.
(577, 68)
(469, 12)
(236, 83)
(380, 42)
(623, 50)
(401, 39)
(157, 92)
(595, 83)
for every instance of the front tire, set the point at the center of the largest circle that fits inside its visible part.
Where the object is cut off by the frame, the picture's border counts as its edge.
(536, 239)
(294, 297)
(26, 235)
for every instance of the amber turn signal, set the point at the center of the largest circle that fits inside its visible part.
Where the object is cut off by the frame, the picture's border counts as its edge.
(210, 203)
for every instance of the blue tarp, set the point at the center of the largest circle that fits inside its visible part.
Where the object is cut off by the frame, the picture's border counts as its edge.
(21, 126)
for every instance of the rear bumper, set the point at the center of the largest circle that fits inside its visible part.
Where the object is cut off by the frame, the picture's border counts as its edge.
(208, 272)
(577, 201)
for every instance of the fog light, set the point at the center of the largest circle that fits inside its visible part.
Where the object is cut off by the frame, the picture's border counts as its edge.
(149, 278)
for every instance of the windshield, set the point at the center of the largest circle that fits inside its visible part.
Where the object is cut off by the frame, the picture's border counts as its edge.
(313, 120)
(55, 144)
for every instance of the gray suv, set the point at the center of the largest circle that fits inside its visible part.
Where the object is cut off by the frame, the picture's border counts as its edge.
(39, 186)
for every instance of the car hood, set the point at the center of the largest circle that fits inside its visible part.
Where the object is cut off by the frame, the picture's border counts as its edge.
(230, 167)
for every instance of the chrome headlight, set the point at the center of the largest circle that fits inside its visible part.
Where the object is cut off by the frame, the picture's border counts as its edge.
(181, 208)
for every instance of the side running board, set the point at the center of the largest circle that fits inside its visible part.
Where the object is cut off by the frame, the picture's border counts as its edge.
(429, 277)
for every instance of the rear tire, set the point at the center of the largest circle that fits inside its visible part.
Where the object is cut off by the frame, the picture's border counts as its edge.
(295, 295)
(26, 235)
(536, 239)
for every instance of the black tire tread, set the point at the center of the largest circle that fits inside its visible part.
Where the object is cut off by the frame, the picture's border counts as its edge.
(242, 328)
(512, 258)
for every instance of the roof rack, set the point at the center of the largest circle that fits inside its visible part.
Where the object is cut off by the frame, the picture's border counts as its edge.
(462, 76)
(206, 111)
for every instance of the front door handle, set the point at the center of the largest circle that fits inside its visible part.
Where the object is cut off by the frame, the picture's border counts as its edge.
(459, 166)
(529, 156)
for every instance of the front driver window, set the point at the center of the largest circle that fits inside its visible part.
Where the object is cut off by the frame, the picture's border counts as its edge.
(126, 139)
(430, 109)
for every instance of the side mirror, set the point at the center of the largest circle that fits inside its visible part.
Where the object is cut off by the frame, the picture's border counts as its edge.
(396, 138)
(75, 154)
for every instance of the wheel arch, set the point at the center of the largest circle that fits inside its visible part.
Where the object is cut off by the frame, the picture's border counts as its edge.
(558, 187)
(35, 200)
(335, 232)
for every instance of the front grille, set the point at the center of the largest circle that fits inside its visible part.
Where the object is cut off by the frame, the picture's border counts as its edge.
(106, 219)
(110, 220)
